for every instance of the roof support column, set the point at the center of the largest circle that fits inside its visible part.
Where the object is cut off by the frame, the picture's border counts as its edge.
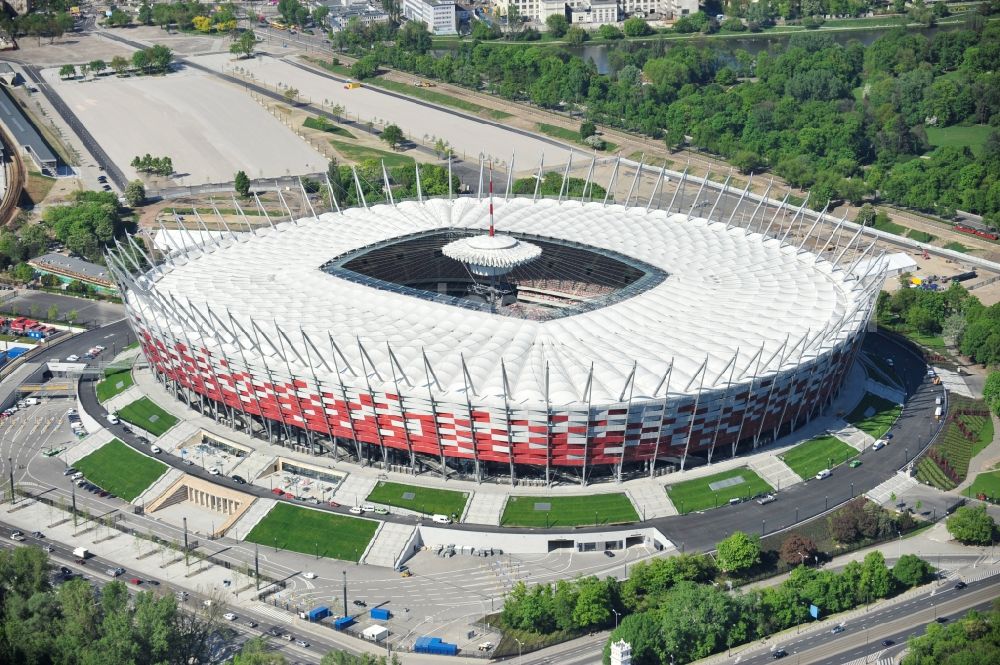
(428, 373)
(663, 416)
(694, 414)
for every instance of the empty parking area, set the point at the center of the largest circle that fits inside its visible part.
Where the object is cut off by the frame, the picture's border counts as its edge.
(209, 128)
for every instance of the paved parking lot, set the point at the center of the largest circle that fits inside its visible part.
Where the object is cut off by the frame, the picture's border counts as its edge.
(34, 430)
(89, 312)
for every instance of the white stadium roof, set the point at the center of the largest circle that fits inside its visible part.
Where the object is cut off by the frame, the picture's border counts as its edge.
(726, 293)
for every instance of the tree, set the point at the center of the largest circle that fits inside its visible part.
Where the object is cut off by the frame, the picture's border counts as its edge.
(67, 71)
(365, 68)
(738, 552)
(202, 24)
(71, 316)
(242, 184)
(290, 94)
(876, 582)
(557, 25)
(911, 570)
(53, 313)
(609, 32)
(255, 652)
(119, 64)
(587, 128)
(135, 193)
(593, 604)
(145, 14)
(991, 391)
(636, 27)
(244, 45)
(414, 37)
(392, 135)
(97, 66)
(576, 35)
(866, 215)
(797, 549)
(747, 161)
(118, 19)
(972, 525)
(23, 272)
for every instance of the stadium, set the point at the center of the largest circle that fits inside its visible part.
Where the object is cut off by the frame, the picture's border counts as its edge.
(530, 338)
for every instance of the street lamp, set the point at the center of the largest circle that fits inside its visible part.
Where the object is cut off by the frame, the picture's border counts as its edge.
(617, 614)
(519, 645)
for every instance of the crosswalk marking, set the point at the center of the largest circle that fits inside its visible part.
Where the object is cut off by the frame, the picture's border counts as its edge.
(272, 612)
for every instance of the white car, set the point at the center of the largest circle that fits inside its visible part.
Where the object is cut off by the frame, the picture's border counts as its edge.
(99, 347)
(207, 603)
(309, 576)
(113, 419)
(18, 536)
(229, 616)
(73, 358)
(368, 508)
(155, 450)
(878, 445)
(356, 510)
(214, 471)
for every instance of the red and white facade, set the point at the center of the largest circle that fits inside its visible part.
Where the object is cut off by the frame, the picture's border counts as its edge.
(749, 333)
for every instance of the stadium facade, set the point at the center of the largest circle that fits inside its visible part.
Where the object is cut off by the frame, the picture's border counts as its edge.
(639, 339)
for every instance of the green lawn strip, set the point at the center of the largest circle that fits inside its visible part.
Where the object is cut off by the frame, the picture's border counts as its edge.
(957, 247)
(958, 136)
(438, 97)
(120, 470)
(692, 495)
(568, 510)
(324, 125)
(140, 412)
(314, 532)
(570, 136)
(809, 458)
(114, 384)
(425, 500)
(360, 153)
(879, 423)
(920, 236)
(986, 483)
(890, 227)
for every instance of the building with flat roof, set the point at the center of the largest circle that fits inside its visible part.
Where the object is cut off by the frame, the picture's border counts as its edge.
(70, 267)
(26, 136)
(437, 15)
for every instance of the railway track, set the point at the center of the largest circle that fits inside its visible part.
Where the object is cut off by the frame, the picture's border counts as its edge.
(14, 167)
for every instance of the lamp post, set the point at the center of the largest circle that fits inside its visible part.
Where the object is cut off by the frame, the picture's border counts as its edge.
(617, 614)
(519, 645)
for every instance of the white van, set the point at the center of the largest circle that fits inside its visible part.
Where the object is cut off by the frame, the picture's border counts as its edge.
(441, 519)
(878, 445)
(825, 473)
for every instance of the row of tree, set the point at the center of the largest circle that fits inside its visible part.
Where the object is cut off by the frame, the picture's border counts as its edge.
(975, 638)
(154, 60)
(155, 165)
(843, 120)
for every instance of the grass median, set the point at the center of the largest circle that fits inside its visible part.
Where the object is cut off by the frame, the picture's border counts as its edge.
(120, 470)
(147, 415)
(114, 384)
(314, 532)
(874, 415)
(552, 511)
(809, 458)
(426, 500)
(698, 494)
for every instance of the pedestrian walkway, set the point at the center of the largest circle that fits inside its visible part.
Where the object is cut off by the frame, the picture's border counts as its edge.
(774, 471)
(159, 487)
(354, 490)
(177, 436)
(883, 493)
(953, 382)
(257, 511)
(123, 399)
(388, 544)
(650, 499)
(852, 436)
(87, 445)
(270, 611)
(893, 394)
(870, 659)
(485, 508)
(254, 465)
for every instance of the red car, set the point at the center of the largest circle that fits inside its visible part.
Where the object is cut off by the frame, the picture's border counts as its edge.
(136, 581)
(334, 504)
(278, 491)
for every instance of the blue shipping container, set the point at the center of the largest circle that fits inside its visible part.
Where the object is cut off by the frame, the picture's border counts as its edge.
(434, 645)
(379, 613)
(319, 613)
(343, 622)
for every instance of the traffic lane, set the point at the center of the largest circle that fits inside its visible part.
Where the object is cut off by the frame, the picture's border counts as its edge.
(907, 363)
(96, 567)
(89, 312)
(881, 624)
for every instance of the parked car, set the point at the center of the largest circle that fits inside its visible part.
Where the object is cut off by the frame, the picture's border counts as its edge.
(69, 471)
(17, 536)
(356, 510)
(609, 554)
(155, 450)
(229, 616)
(113, 419)
(360, 603)
(240, 480)
(766, 499)
(136, 581)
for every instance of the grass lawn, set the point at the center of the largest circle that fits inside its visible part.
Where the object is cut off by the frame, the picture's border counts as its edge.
(114, 384)
(324, 125)
(359, 153)
(436, 97)
(314, 532)
(692, 495)
(37, 186)
(809, 458)
(878, 423)
(570, 136)
(120, 470)
(957, 247)
(986, 483)
(423, 500)
(147, 415)
(920, 236)
(568, 510)
(973, 136)
(890, 227)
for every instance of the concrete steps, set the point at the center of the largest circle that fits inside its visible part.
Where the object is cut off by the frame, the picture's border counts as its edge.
(388, 544)
(852, 436)
(650, 499)
(162, 484)
(485, 508)
(899, 483)
(123, 399)
(775, 473)
(354, 490)
(254, 464)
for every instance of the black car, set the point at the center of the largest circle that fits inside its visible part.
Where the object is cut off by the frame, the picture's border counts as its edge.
(942, 619)
(153, 582)
(887, 643)
(960, 585)
(778, 653)
(360, 603)
(65, 571)
(609, 554)
(240, 480)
